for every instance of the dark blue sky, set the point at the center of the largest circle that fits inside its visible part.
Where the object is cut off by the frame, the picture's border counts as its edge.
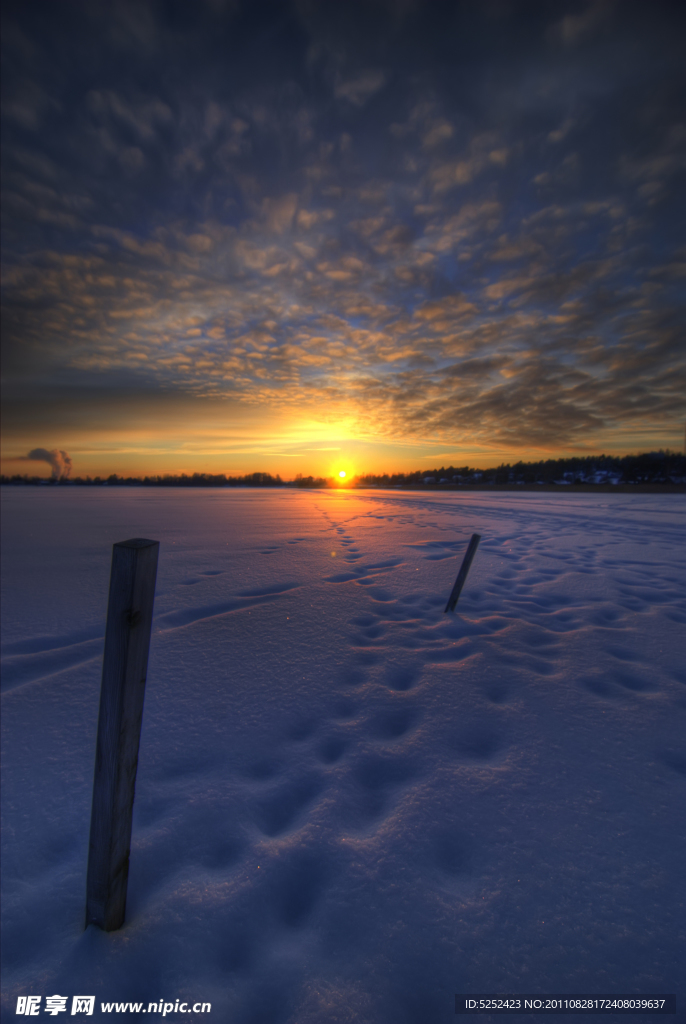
(279, 236)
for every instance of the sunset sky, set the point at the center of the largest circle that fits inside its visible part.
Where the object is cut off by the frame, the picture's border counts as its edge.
(328, 235)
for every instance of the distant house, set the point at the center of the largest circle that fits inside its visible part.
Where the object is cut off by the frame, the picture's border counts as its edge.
(604, 476)
(429, 480)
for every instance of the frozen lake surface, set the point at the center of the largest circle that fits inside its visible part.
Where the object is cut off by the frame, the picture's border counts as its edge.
(351, 806)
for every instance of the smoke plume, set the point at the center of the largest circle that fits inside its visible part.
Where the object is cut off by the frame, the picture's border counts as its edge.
(58, 460)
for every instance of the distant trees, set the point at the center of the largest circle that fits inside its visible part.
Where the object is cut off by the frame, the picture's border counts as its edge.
(309, 481)
(661, 467)
(649, 467)
(183, 480)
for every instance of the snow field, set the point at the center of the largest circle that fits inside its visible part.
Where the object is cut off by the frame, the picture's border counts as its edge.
(350, 806)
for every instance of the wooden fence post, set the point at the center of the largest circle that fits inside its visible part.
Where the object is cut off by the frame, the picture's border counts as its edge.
(462, 574)
(125, 664)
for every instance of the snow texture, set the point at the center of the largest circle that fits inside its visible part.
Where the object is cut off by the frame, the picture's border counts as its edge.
(349, 805)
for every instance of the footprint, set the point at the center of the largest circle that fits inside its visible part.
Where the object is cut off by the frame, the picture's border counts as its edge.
(621, 653)
(631, 681)
(599, 687)
(675, 760)
(297, 887)
(603, 616)
(378, 778)
(391, 723)
(363, 621)
(350, 676)
(332, 749)
(402, 677)
(341, 577)
(477, 742)
(279, 811)
(374, 632)
(437, 550)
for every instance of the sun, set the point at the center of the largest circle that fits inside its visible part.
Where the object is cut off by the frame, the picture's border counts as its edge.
(342, 474)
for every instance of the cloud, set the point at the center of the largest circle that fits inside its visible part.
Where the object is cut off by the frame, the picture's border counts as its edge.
(573, 28)
(216, 226)
(485, 151)
(59, 461)
(560, 133)
(142, 116)
(361, 87)
(28, 104)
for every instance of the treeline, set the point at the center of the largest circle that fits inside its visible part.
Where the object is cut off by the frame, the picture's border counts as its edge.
(310, 481)
(650, 467)
(662, 467)
(184, 480)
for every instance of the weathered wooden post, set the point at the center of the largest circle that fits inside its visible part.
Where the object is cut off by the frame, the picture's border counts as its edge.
(125, 664)
(462, 574)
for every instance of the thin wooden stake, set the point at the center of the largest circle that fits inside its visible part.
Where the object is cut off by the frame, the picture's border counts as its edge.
(462, 574)
(125, 664)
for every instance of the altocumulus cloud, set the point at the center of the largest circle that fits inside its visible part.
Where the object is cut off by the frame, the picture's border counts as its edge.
(453, 221)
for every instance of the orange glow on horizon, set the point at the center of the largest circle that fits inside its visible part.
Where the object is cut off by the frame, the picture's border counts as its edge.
(215, 438)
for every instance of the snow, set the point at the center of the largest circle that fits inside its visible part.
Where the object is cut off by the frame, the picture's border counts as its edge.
(349, 805)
